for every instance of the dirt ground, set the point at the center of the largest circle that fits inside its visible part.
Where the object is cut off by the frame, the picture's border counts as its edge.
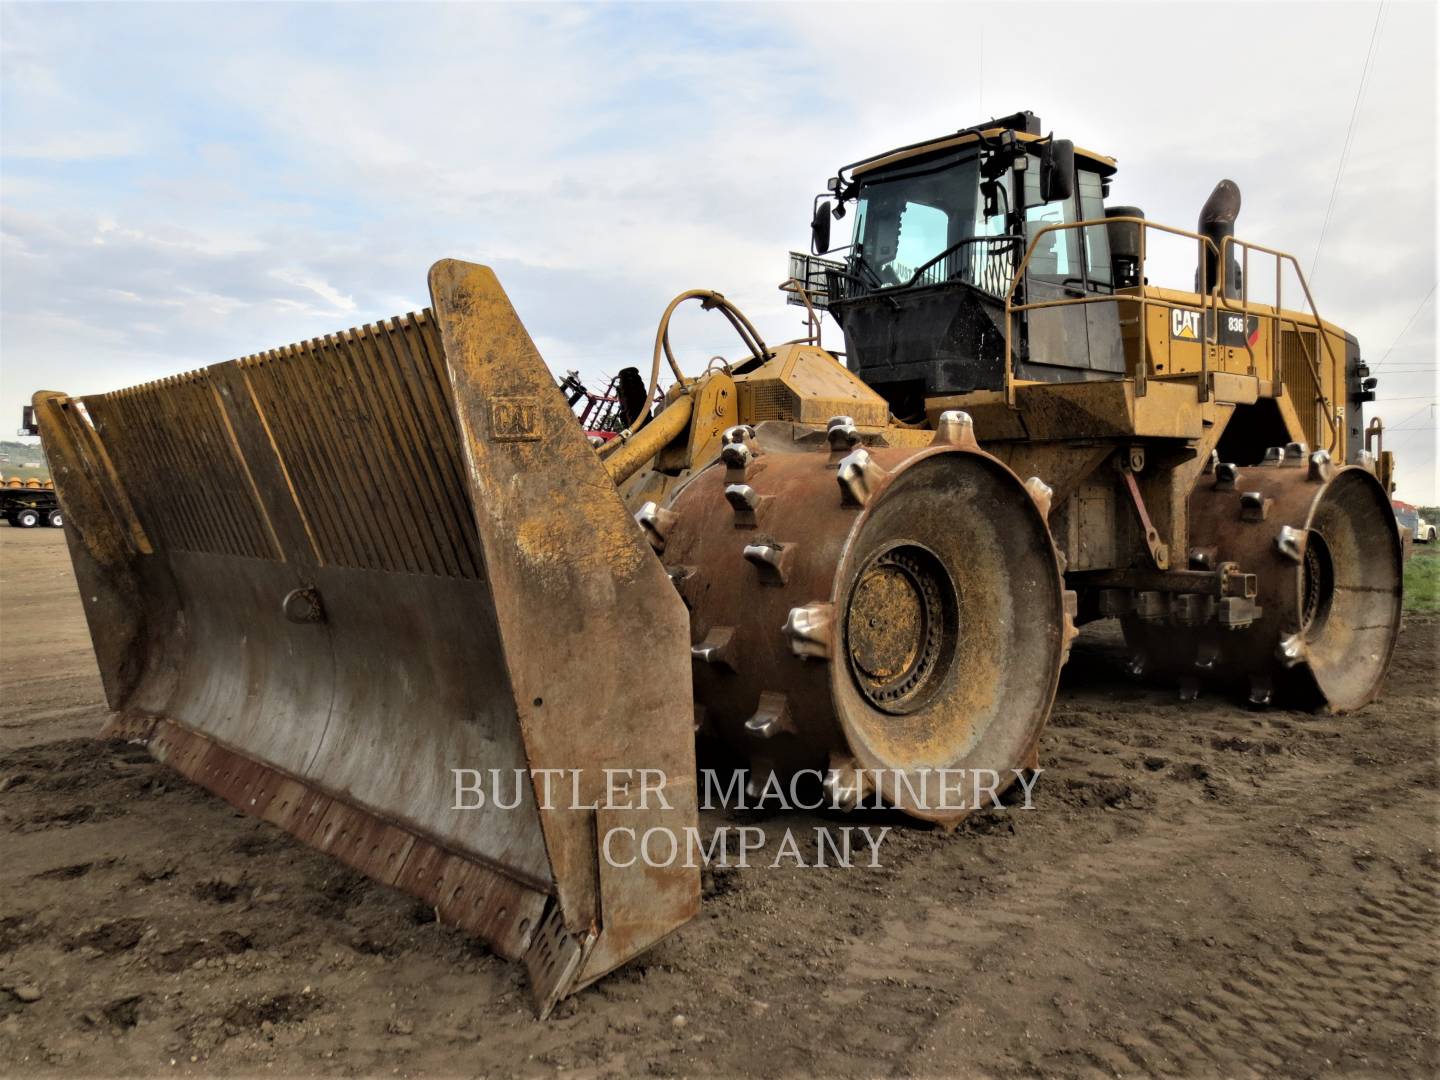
(1201, 889)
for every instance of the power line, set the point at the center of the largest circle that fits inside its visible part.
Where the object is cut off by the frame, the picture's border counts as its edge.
(1408, 432)
(1414, 414)
(1409, 323)
(1349, 136)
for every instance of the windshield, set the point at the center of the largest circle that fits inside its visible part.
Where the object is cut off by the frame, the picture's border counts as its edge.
(905, 220)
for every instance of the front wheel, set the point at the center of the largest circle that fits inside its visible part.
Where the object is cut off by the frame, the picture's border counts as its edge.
(26, 519)
(55, 519)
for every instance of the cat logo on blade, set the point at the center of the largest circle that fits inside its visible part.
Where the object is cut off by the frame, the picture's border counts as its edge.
(1185, 324)
(514, 419)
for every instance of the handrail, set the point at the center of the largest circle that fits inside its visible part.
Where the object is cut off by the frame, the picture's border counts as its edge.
(971, 261)
(1282, 257)
(794, 286)
(1209, 326)
(1009, 238)
(1210, 303)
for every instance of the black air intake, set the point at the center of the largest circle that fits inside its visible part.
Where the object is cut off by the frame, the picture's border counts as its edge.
(1124, 239)
(1217, 221)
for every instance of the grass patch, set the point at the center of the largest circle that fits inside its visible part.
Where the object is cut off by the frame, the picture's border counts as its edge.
(1422, 579)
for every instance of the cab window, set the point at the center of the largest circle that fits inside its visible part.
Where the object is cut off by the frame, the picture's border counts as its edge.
(1065, 255)
(907, 219)
(1097, 239)
(1055, 257)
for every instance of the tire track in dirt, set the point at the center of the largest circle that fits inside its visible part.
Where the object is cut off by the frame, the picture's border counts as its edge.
(909, 976)
(1162, 843)
(1263, 1017)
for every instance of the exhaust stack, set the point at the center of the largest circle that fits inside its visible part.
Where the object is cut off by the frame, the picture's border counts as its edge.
(1217, 221)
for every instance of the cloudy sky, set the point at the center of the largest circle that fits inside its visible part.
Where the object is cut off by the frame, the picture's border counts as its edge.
(182, 184)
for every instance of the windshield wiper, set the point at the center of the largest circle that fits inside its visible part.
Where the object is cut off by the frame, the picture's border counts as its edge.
(875, 278)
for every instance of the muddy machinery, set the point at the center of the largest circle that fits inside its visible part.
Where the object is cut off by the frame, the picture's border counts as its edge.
(871, 569)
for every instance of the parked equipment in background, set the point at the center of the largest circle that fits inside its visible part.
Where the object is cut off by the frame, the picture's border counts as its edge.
(28, 503)
(604, 416)
(873, 569)
(1407, 518)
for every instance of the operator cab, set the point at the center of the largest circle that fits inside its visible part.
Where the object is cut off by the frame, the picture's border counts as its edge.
(939, 230)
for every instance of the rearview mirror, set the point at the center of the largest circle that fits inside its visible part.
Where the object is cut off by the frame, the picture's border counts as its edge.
(1057, 170)
(820, 229)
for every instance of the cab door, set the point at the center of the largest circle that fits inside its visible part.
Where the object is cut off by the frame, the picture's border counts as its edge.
(1069, 264)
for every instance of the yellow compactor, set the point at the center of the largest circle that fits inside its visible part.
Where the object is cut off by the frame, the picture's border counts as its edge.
(322, 578)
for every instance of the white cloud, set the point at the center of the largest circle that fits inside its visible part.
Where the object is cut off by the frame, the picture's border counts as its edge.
(303, 166)
(337, 303)
(74, 146)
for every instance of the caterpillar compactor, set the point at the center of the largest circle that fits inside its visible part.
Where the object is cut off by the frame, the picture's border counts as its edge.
(321, 578)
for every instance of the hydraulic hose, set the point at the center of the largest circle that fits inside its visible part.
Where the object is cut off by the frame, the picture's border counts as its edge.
(708, 299)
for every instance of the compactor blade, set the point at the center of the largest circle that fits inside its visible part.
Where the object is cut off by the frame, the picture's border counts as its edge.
(321, 579)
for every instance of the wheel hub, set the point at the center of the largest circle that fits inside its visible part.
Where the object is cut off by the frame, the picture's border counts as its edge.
(900, 628)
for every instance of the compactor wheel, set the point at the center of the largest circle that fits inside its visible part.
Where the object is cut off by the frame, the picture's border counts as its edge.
(875, 614)
(1323, 544)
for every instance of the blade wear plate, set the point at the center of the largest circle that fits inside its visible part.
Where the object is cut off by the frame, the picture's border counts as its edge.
(321, 578)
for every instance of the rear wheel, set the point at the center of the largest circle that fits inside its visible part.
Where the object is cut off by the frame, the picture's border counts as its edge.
(1324, 546)
(26, 519)
(55, 519)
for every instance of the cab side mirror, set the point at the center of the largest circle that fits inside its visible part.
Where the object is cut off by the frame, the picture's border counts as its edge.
(820, 229)
(1057, 170)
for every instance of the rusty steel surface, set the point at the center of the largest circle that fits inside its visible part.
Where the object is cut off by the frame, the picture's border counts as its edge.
(1325, 557)
(876, 609)
(465, 893)
(322, 577)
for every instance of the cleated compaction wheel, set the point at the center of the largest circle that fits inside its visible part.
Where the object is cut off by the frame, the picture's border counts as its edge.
(873, 613)
(1323, 544)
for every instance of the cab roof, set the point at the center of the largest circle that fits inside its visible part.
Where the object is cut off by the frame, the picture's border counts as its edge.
(1104, 165)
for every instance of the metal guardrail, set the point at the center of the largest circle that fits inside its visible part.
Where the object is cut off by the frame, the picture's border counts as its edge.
(1144, 302)
(1210, 303)
(986, 262)
(810, 277)
(1278, 319)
